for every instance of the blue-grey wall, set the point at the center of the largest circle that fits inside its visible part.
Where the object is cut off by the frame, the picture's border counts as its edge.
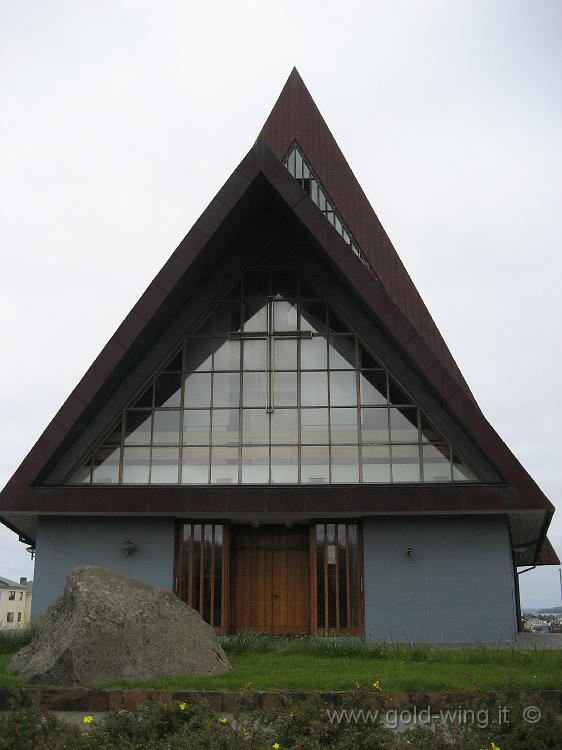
(64, 542)
(457, 585)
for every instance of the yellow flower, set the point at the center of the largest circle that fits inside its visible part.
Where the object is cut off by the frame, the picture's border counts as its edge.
(276, 746)
(223, 720)
(377, 685)
(493, 746)
(182, 706)
(88, 719)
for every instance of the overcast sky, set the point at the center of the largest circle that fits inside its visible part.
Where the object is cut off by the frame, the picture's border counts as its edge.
(119, 121)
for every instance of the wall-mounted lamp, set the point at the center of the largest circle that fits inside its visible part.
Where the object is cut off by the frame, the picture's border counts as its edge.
(409, 551)
(255, 524)
(129, 548)
(31, 551)
(289, 524)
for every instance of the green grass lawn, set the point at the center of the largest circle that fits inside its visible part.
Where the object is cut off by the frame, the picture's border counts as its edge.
(317, 666)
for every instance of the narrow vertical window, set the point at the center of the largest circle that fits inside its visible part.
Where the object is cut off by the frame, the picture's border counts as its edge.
(200, 565)
(338, 579)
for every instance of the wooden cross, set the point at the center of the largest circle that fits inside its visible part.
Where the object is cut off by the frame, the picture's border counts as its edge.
(270, 335)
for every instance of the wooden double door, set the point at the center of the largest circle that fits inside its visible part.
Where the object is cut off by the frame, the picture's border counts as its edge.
(271, 579)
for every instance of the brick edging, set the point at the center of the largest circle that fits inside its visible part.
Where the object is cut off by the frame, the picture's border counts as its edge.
(91, 700)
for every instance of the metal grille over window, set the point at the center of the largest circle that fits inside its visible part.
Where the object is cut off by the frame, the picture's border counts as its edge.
(273, 387)
(300, 170)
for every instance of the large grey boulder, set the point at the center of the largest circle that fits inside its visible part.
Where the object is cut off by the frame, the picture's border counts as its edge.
(107, 627)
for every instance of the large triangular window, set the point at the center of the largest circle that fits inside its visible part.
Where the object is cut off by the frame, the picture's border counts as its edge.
(273, 388)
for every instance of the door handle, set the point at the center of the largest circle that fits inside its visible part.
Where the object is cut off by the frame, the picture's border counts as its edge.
(276, 596)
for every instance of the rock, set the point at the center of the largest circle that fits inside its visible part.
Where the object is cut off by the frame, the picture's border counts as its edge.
(108, 627)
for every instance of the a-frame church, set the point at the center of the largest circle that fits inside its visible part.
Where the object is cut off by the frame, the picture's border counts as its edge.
(278, 433)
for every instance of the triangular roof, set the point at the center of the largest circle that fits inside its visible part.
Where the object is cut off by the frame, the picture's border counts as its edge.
(385, 289)
(296, 118)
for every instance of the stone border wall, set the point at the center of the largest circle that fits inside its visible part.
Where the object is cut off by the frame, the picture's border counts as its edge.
(91, 700)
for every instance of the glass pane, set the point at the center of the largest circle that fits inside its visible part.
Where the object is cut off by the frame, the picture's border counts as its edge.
(137, 427)
(396, 395)
(314, 388)
(405, 463)
(315, 464)
(106, 466)
(197, 390)
(285, 388)
(374, 425)
(366, 359)
(226, 318)
(217, 612)
(345, 463)
(436, 463)
(165, 466)
(136, 462)
(176, 363)
(343, 425)
(285, 426)
(195, 466)
(198, 355)
(256, 284)
(331, 561)
(114, 437)
(227, 354)
(284, 464)
(320, 591)
(167, 391)
(342, 576)
(341, 353)
(343, 389)
(314, 353)
(461, 472)
(376, 463)
(195, 573)
(226, 389)
(335, 324)
(284, 284)
(428, 432)
(255, 355)
(373, 387)
(314, 426)
(145, 400)
(255, 389)
(255, 317)
(353, 574)
(226, 427)
(196, 424)
(83, 474)
(224, 465)
(313, 316)
(285, 354)
(404, 425)
(284, 316)
(255, 465)
(255, 426)
(166, 427)
(208, 541)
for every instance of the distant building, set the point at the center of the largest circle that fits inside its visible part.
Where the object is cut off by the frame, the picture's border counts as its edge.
(15, 603)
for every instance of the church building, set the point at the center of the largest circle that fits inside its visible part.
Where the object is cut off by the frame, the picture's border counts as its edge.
(278, 433)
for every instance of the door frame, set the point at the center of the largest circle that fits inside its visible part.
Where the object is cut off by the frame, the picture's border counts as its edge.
(227, 623)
